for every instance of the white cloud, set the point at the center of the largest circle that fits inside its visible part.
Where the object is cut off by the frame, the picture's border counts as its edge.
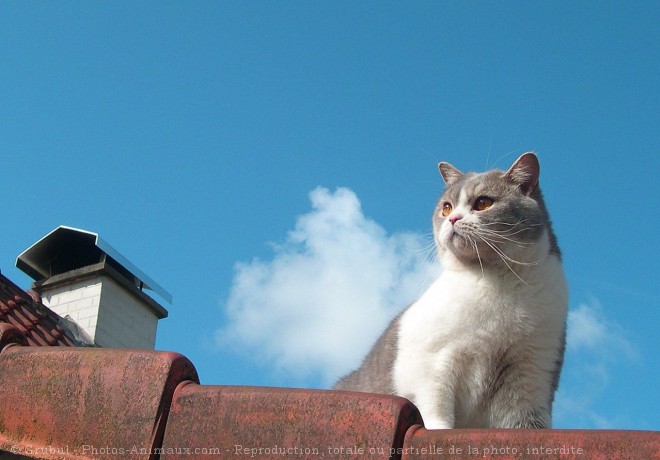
(329, 291)
(589, 330)
(586, 328)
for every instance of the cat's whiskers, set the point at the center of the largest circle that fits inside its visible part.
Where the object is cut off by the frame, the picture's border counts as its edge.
(493, 245)
(501, 238)
(520, 222)
(430, 254)
(487, 238)
(476, 249)
(512, 230)
(512, 226)
(504, 258)
(430, 248)
(430, 257)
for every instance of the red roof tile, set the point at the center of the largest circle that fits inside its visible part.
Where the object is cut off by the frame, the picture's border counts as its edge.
(84, 403)
(24, 319)
(500, 444)
(237, 421)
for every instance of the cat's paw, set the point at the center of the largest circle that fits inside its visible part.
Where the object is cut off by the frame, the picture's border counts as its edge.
(438, 424)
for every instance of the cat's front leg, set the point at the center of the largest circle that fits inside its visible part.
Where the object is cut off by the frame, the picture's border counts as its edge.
(525, 417)
(523, 399)
(433, 398)
(429, 383)
(436, 419)
(433, 423)
(535, 419)
(436, 403)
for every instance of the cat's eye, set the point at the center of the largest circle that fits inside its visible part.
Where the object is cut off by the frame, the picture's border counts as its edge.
(483, 203)
(446, 209)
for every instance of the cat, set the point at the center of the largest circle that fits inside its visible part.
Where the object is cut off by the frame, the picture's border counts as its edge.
(483, 347)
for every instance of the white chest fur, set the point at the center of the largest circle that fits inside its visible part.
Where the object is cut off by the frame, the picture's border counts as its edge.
(451, 340)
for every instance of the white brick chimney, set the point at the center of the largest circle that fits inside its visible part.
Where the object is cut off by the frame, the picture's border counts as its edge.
(81, 276)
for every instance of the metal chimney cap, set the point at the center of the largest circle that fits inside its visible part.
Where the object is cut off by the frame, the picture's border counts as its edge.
(67, 248)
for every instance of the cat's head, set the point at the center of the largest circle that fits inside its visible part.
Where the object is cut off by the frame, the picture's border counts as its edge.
(493, 218)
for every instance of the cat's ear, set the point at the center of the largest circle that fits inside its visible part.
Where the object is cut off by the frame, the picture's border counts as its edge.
(525, 173)
(449, 173)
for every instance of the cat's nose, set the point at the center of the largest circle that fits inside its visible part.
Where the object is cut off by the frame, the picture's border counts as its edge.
(455, 217)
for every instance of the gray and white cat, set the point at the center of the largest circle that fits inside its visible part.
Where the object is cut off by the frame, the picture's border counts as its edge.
(484, 345)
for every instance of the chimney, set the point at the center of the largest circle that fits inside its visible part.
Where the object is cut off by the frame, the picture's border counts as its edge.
(80, 276)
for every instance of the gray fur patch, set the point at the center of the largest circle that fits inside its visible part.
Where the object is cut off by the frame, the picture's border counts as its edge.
(375, 373)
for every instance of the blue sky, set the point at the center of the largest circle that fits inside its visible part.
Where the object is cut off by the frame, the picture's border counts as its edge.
(233, 151)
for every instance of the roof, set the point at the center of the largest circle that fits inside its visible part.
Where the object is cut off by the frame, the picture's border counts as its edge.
(25, 320)
(100, 403)
(67, 248)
